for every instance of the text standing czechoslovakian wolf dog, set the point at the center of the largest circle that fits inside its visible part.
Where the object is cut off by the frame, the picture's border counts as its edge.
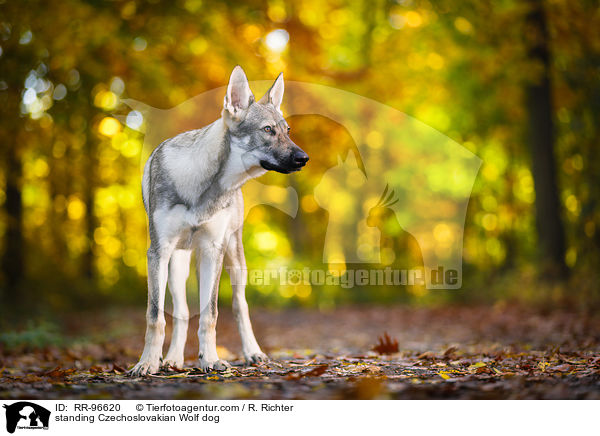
(192, 194)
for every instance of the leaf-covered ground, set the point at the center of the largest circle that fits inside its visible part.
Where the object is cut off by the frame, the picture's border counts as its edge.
(457, 352)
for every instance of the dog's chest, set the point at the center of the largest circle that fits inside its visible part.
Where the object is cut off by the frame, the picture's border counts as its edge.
(192, 173)
(209, 204)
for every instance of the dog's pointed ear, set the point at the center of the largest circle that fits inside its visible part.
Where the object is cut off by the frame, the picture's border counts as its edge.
(238, 97)
(275, 94)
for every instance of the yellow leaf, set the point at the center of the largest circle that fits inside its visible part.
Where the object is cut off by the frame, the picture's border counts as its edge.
(227, 373)
(178, 375)
(477, 365)
(543, 365)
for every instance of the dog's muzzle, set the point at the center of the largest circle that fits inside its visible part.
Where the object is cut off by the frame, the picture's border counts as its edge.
(297, 161)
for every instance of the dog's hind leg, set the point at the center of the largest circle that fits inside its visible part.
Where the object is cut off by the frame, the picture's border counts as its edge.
(158, 264)
(179, 269)
(235, 264)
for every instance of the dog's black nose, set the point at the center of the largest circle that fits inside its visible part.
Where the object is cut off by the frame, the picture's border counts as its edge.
(300, 158)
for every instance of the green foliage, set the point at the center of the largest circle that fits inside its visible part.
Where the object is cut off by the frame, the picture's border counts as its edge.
(35, 336)
(459, 67)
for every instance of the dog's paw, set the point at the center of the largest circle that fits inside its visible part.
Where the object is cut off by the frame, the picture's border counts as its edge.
(144, 368)
(256, 358)
(172, 363)
(214, 365)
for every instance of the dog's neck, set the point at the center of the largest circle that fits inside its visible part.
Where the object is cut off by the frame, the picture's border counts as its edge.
(238, 168)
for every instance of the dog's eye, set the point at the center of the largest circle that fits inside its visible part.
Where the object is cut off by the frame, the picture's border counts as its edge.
(288, 130)
(267, 129)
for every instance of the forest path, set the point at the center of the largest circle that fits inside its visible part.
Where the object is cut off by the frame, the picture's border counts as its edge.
(454, 352)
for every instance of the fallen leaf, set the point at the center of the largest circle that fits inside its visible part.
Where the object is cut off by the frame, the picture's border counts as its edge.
(426, 355)
(317, 371)
(372, 369)
(178, 375)
(117, 369)
(228, 373)
(175, 369)
(476, 366)
(59, 373)
(565, 367)
(449, 351)
(386, 345)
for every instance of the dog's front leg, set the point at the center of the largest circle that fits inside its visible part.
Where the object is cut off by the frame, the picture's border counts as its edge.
(179, 269)
(209, 264)
(158, 262)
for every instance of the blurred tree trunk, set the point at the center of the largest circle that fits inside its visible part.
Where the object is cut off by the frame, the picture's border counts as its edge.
(368, 11)
(12, 262)
(12, 259)
(551, 243)
(508, 236)
(90, 218)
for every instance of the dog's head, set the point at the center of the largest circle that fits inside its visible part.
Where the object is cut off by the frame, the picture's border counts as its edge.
(258, 129)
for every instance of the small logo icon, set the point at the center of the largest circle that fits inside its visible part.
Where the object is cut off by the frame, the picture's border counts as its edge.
(26, 415)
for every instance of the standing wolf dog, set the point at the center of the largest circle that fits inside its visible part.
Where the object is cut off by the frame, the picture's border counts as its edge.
(192, 194)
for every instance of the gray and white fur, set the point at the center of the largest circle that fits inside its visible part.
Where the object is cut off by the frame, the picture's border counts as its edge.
(192, 194)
